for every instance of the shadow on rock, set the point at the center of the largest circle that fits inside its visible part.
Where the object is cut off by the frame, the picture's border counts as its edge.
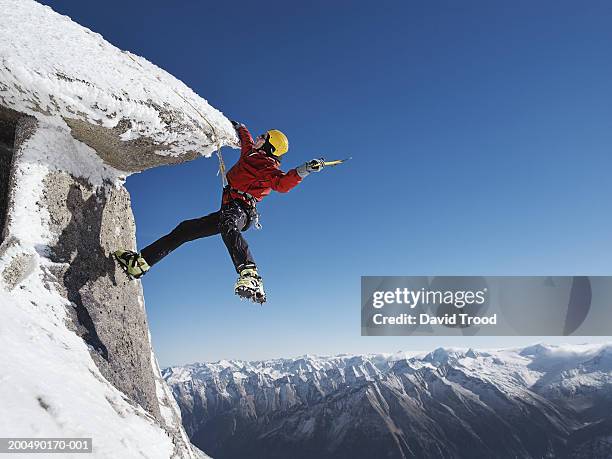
(79, 246)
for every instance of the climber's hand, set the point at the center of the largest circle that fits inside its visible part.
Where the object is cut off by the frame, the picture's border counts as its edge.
(236, 124)
(314, 165)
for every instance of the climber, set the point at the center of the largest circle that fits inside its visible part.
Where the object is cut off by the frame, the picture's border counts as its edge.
(256, 173)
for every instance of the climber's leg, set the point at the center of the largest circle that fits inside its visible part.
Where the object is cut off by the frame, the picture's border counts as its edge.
(233, 219)
(184, 232)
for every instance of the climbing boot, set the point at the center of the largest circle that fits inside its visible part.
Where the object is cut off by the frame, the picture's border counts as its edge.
(250, 285)
(132, 263)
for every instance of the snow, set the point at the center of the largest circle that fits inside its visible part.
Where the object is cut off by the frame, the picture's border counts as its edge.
(52, 68)
(57, 150)
(49, 149)
(514, 371)
(38, 352)
(545, 389)
(28, 220)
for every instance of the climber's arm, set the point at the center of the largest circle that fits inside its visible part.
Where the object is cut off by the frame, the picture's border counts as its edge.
(246, 140)
(283, 182)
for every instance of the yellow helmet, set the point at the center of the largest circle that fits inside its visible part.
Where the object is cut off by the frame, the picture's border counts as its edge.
(279, 141)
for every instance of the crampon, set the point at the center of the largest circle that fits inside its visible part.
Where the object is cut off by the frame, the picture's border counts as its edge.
(131, 263)
(250, 285)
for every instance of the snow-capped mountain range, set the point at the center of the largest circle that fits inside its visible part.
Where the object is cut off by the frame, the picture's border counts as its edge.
(538, 401)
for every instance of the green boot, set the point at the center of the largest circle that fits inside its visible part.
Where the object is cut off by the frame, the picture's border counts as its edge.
(250, 285)
(132, 263)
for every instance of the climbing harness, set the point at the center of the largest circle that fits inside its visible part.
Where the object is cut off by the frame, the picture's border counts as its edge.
(252, 204)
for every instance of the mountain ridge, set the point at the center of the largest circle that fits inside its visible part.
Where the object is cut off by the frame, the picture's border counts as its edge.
(535, 401)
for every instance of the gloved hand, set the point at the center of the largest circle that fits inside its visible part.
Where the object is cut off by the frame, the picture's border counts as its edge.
(236, 124)
(314, 165)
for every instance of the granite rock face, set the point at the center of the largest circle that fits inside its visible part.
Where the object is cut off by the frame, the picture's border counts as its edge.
(69, 136)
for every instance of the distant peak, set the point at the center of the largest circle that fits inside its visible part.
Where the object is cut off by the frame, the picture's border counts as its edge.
(442, 355)
(534, 350)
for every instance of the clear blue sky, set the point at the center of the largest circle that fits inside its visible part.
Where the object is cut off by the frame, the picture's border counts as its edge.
(481, 134)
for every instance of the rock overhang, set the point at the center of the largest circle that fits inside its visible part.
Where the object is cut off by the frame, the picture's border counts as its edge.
(76, 116)
(132, 113)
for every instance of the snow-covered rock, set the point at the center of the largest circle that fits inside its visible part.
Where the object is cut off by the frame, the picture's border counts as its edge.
(540, 401)
(132, 113)
(77, 115)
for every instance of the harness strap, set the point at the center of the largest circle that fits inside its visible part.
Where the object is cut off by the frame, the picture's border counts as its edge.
(254, 215)
(248, 196)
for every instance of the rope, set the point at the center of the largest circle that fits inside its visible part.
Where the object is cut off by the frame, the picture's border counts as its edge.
(224, 181)
(214, 131)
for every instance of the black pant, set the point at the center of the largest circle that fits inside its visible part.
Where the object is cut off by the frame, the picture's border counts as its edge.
(230, 220)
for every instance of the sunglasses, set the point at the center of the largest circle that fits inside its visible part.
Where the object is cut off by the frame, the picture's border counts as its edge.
(267, 146)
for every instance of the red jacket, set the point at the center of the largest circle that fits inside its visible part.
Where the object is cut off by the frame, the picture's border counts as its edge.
(257, 173)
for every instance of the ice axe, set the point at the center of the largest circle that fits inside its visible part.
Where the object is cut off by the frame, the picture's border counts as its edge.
(332, 163)
(336, 162)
